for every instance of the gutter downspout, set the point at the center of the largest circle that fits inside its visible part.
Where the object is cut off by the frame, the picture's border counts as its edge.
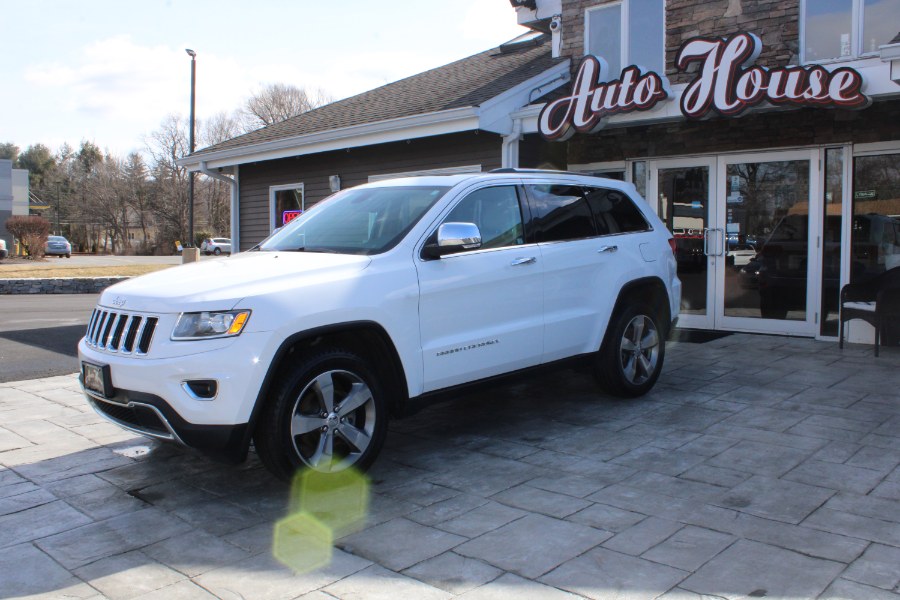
(235, 214)
(510, 148)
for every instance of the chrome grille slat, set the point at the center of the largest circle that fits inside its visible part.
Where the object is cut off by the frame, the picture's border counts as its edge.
(120, 332)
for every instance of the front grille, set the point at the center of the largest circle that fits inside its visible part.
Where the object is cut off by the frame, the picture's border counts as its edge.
(136, 417)
(120, 332)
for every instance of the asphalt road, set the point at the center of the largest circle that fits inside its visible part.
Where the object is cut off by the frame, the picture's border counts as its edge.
(39, 334)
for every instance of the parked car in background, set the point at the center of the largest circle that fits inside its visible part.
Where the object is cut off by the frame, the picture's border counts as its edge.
(739, 255)
(3, 251)
(216, 246)
(57, 245)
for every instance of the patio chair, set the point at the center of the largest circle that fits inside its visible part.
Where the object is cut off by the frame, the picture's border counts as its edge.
(876, 302)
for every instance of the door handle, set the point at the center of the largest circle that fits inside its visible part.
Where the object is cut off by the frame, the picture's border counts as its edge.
(609, 249)
(525, 260)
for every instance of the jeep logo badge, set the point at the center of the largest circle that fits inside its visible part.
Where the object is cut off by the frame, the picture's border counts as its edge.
(119, 301)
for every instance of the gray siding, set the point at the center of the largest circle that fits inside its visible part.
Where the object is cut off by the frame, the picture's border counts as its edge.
(354, 167)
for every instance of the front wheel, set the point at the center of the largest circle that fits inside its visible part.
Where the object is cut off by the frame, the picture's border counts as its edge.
(328, 413)
(217, 251)
(631, 357)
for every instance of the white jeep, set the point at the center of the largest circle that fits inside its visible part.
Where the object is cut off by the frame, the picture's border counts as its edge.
(382, 295)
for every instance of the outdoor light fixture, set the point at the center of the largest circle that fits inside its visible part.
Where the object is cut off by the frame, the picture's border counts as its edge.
(529, 4)
(190, 240)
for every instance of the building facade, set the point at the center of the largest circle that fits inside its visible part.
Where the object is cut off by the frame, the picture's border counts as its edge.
(765, 133)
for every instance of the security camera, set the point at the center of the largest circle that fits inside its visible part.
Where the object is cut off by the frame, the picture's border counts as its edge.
(555, 23)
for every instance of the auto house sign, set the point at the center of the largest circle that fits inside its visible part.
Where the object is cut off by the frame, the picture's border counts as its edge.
(728, 82)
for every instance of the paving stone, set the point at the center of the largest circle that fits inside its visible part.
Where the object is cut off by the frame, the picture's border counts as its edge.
(597, 445)
(879, 566)
(717, 476)
(667, 462)
(689, 548)
(446, 509)
(644, 502)
(766, 438)
(811, 542)
(690, 418)
(757, 570)
(377, 583)
(421, 493)
(835, 476)
(887, 489)
(11, 441)
(108, 501)
(512, 546)
(379, 543)
(769, 419)
(38, 522)
(218, 517)
(878, 459)
(511, 586)
(196, 552)
(485, 476)
(709, 445)
(760, 458)
(26, 571)
(867, 528)
(673, 486)
(264, 578)
(128, 575)
(183, 590)
(19, 502)
(14, 489)
(602, 574)
(844, 590)
(482, 519)
(117, 535)
(827, 433)
(541, 501)
(641, 537)
(837, 452)
(608, 518)
(569, 484)
(882, 441)
(453, 573)
(774, 499)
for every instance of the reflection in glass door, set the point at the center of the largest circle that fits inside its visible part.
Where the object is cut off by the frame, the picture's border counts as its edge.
(765, 282)
(682, 197)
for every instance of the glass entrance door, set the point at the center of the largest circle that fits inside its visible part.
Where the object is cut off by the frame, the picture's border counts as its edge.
(769, 211)
(680, 191)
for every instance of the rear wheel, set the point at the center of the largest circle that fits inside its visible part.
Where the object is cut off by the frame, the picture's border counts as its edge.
(217, 251)
(631, 357)
(328, 413)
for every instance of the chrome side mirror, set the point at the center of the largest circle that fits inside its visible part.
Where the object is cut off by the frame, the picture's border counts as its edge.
(454, 237)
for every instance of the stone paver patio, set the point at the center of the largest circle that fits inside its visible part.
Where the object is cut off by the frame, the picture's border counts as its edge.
(759, 466)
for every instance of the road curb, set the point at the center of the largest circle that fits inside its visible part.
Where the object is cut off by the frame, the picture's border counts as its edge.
(58, 285)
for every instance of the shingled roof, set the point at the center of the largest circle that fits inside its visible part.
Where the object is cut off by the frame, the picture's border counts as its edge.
(465, 83)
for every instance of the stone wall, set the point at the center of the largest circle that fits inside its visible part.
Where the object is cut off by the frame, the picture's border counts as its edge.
(58, 285)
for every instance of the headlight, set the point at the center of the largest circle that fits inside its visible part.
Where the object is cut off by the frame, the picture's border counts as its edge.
(205, 325)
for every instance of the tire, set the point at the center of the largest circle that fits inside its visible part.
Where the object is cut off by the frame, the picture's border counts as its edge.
(627, 368)
(217, 251)
(68, 256)
(354, 437)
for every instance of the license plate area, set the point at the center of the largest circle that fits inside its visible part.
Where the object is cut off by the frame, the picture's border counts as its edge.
(97, 379)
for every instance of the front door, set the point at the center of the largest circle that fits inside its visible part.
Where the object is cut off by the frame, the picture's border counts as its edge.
(680, 191)
(769, 210)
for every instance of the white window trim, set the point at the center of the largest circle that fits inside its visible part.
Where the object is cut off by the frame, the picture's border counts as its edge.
(876, 148)
(856, 41)
(279, 188)
(617, 165)
(443, 171)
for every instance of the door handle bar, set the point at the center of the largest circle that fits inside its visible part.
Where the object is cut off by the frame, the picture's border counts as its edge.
(607, 249)
(525, 260)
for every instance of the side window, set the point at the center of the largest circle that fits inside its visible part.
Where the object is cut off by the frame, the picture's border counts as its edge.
(614, 212)
(560, 212)
(496, 212)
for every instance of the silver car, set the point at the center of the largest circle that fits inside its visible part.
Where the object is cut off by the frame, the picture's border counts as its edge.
(57, 245)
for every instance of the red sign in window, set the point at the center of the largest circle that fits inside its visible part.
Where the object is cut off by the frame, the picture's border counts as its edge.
(289, 215)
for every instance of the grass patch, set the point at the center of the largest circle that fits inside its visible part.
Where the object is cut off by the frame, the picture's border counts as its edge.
(47, 271)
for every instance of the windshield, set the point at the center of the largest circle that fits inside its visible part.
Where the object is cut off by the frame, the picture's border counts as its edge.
(357, 221)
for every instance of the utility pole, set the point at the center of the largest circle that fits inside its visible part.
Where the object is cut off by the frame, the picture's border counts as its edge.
(190, 240)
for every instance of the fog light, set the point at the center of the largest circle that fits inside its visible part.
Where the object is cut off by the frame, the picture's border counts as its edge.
(201, 389)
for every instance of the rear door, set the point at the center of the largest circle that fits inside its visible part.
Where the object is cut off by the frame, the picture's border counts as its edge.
(481, 310)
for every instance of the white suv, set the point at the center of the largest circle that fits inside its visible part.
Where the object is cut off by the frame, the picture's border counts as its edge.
(382, 295)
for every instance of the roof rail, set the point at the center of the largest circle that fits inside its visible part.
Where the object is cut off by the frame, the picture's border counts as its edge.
(520, 170)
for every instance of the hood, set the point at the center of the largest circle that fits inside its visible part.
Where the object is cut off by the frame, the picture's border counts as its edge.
(220, 283)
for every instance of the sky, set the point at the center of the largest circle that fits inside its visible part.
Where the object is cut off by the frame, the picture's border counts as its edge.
(110, 71)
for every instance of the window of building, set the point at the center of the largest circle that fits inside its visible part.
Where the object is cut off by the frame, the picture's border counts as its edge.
(286, 203)
(847, 29)
(560, 212)
(496, 212)
(875, 235)
(630, 32)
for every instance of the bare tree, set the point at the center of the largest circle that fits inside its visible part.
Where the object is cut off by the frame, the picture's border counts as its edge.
(278, 102)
